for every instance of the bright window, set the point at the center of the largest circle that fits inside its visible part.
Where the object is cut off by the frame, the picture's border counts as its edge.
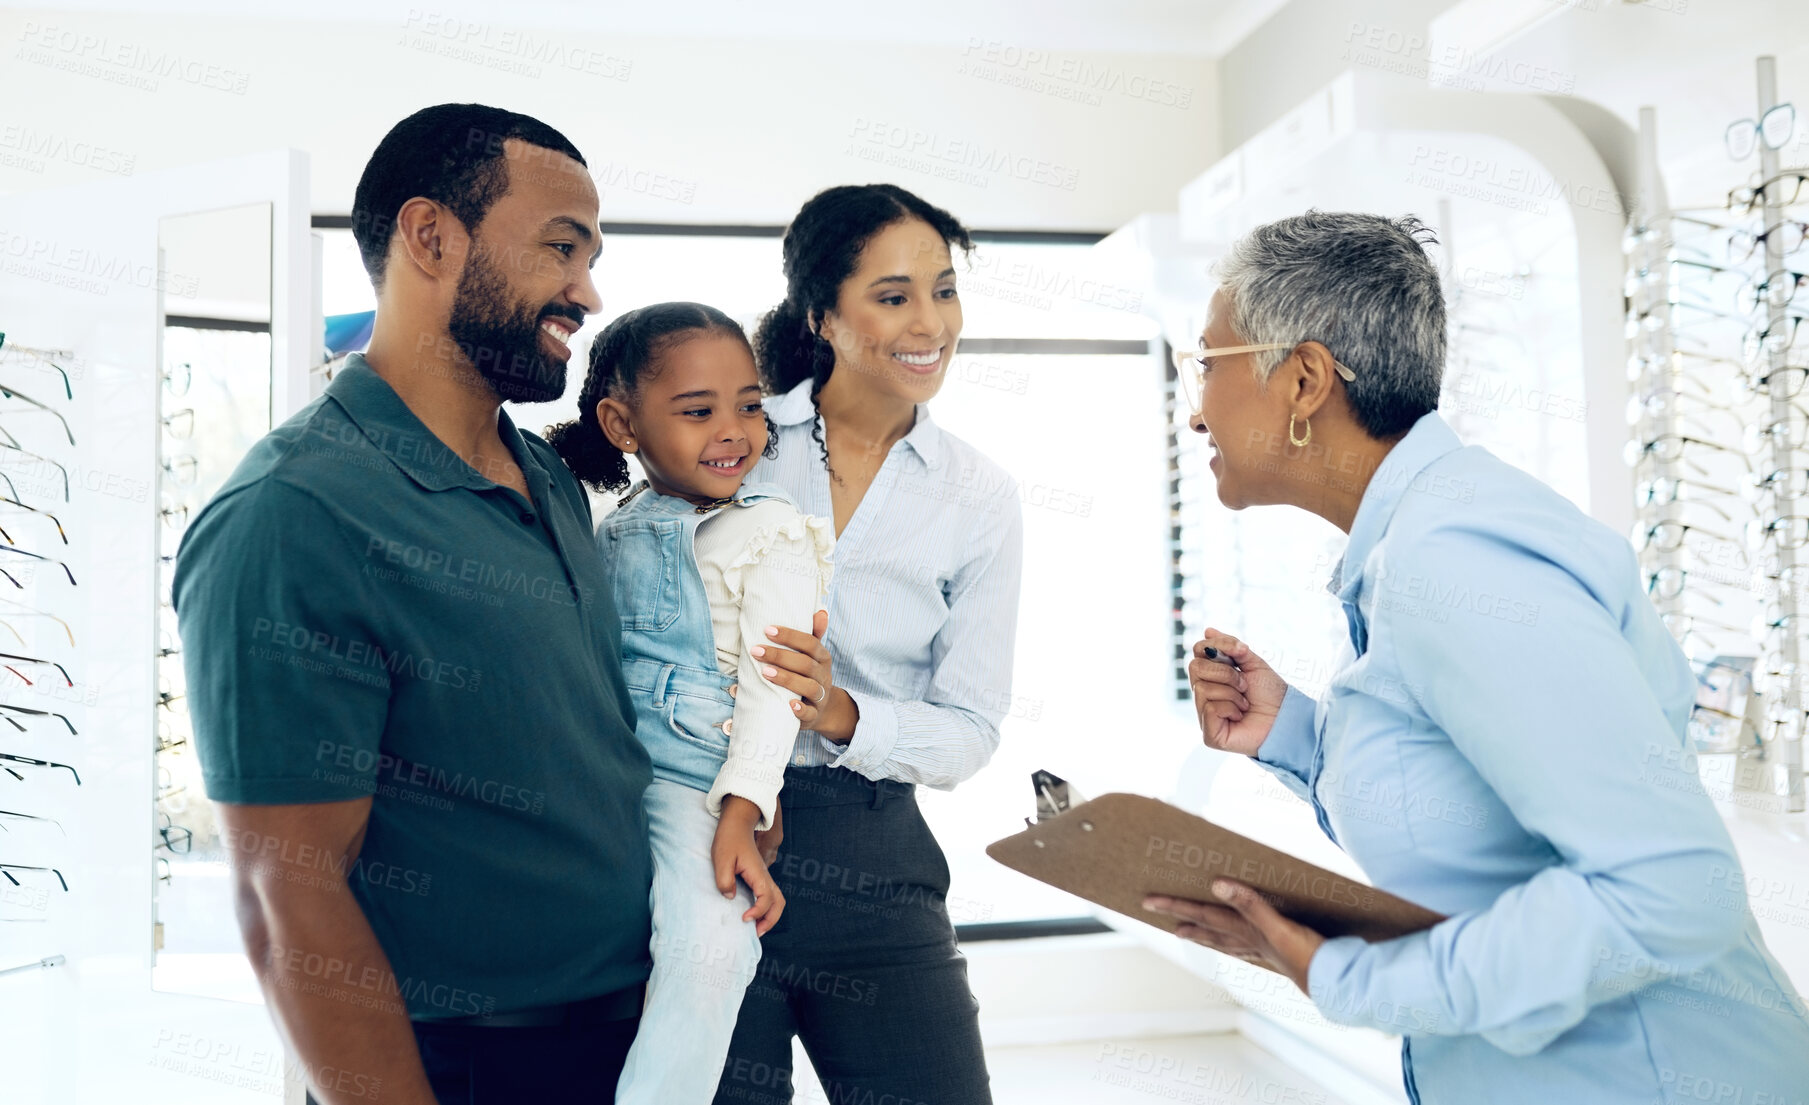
(1082, 430)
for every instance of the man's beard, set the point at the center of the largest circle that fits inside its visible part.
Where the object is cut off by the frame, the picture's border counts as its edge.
(504, 344)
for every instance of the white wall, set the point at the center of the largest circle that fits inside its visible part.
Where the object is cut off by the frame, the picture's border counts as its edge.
(691, 130)
(79, 272)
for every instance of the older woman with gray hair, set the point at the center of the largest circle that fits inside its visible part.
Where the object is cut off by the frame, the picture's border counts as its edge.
(1504, 738)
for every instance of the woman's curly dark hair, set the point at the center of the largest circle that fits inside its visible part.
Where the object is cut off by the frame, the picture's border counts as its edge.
(624, 355)
(823, 245)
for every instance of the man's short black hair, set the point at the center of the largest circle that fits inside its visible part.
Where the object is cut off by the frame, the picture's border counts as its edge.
(451, 154)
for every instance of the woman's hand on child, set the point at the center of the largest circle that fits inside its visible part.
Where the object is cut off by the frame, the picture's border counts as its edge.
(735, 854)
(798, 662)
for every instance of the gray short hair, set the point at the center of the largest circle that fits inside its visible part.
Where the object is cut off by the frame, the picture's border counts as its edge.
(1362, 285)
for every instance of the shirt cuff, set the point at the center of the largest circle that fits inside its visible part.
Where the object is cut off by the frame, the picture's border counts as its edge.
(1388, 986)
(1325, 972)
(758, 784)
(876, 734)
(1289, 747)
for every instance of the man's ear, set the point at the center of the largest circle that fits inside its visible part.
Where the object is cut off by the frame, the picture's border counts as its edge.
(618, 425)
(421, 236)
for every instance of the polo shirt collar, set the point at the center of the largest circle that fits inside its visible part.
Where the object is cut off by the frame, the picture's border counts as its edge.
(1429, 439)
(794, 408)
(396, 432)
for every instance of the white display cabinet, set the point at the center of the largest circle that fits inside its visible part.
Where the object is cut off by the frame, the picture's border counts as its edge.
(80, 275)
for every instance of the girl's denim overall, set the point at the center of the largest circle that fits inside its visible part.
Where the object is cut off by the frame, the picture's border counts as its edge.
(704, 954)
(681, 697)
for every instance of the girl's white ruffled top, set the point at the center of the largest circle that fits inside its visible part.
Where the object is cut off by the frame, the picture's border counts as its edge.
(765, 564)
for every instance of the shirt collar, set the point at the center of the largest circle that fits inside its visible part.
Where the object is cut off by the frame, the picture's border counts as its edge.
(795, 408)
(1429, 439)
(375, 408)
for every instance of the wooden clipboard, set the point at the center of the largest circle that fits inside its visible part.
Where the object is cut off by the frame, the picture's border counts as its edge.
(1119, 848)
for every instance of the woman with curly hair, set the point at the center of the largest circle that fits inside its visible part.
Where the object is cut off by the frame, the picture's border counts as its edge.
(922, 618)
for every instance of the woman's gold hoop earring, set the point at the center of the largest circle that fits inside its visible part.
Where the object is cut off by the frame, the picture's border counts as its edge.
(1308, 423)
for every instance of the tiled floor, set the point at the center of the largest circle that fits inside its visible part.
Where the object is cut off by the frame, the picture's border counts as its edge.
(1223, 1069)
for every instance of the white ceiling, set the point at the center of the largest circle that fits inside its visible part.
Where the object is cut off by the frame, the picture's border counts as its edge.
(1692, 60)
(1192, 27)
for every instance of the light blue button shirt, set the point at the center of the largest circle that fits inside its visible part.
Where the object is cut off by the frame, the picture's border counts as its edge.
(1504, 742)
(923, 606)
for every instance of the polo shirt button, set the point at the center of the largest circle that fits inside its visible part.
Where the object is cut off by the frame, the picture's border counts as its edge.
(799, 761)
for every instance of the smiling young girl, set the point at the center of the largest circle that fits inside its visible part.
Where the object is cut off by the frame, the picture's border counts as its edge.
(701, 562)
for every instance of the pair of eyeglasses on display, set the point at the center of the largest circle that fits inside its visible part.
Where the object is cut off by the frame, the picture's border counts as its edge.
(1681, 227)
(1782, 720)
(9, 392)
(1662, 273)
(54, 520)
(1666, 582)
(1775, 618)
(181, 469)
(1785, 382)
(1787, 235)
(1782, 190)
(1784, 483)
(1703, 412)
(178, 839)
(10, 611)
(36, 556)
(6, 712)
(1190, 366)
(1777, 290)
(1696, 316)
(1675, 369)
(1773, 130)
(9, 815)
(1789, 432)
(7, 758)
(1669, 534)
(1675, 447)
(180, 424)
(1788, 532)
(1711, 418)
(41, 356)
(7, 869)
(1648, 495)
(169, 740)
(8, 659)
(12, 446)
(1772, 337)
(1775, 664)
(1669, 583)
(177, 378)
(1663, 489)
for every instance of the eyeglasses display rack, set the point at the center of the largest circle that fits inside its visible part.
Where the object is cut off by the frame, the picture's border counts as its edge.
(1719, 432)
(41, 698)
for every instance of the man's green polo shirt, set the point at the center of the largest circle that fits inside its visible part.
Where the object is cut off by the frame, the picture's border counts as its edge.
(363, 613)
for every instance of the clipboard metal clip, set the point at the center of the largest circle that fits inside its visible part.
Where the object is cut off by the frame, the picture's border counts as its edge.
(1054, 796)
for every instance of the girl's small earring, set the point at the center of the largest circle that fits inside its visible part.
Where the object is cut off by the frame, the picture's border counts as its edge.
(626, 442)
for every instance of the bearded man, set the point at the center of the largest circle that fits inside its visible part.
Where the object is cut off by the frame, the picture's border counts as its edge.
(404, 661)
